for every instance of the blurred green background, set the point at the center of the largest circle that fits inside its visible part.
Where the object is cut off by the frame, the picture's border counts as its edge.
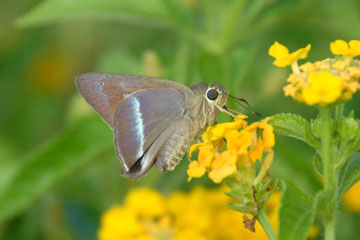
(58, 168)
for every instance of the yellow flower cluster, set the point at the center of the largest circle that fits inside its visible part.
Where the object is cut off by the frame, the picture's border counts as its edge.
(322, 82)
(200, 214)
(243, 148)
(351, 198)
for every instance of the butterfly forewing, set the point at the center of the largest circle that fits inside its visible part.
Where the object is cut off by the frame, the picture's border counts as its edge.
(104, 91)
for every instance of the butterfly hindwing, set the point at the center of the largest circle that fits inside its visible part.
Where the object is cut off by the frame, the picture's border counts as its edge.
(144, 120)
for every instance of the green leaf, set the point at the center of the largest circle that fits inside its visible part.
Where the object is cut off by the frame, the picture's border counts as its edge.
(290, 166)
(235, 196)
(322, 201)
(274, 187)
(296, 214)
(150, 12)
(350, 173)
(355, 145)
(318, 164)
(241, 207)
(290, 125)
(295, 126)
(74, 149)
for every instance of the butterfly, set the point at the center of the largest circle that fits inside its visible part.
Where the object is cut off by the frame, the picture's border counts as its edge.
(154, 120)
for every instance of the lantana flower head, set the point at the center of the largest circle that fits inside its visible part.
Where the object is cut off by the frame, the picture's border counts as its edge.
(200, 214)
(325, 82)
(241, 140)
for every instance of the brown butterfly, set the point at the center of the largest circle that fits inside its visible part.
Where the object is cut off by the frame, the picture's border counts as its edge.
(154, 120)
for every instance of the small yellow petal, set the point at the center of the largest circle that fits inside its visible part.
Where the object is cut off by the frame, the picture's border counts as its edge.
(256, 154)
(196, 170)
(206, 155)
(269, 137)
(238, 142)
(278, 50)
(223, 166)
(264, 122)
(218, 174)
(302, 53)
(195, 147)
(340, 47)
(280, 53)
(355, 47)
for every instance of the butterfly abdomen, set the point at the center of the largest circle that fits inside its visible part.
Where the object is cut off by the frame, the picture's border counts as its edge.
(172, 152)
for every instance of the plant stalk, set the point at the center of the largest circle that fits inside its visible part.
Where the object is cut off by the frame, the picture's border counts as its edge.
(329, 172)
(265, 223)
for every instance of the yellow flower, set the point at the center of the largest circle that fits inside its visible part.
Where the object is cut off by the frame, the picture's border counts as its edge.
(243, 147)
(238, 142)
(119, 223)
(152, 207)
(307, 83)
(199, 214)
(282, 56)
(325, 88)
(223, 166)
(340, 47)
(351, 198)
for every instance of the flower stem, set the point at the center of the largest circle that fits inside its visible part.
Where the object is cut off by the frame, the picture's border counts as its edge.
(329, 173)
(339, 111)
(265, 223)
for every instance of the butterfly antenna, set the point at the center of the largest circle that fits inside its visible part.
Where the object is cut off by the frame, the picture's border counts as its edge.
(245, 105)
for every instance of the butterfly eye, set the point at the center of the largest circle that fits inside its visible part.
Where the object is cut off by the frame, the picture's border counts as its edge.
(212, 94)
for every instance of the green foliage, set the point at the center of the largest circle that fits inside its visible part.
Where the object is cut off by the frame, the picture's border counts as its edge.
(318, 164)
(295, 126)
(85, 141)
(290, 125)
(296, 214)
(150, 12)
(355, 144)
(349, 174)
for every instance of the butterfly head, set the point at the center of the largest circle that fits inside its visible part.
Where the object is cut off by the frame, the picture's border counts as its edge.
(216, 94)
